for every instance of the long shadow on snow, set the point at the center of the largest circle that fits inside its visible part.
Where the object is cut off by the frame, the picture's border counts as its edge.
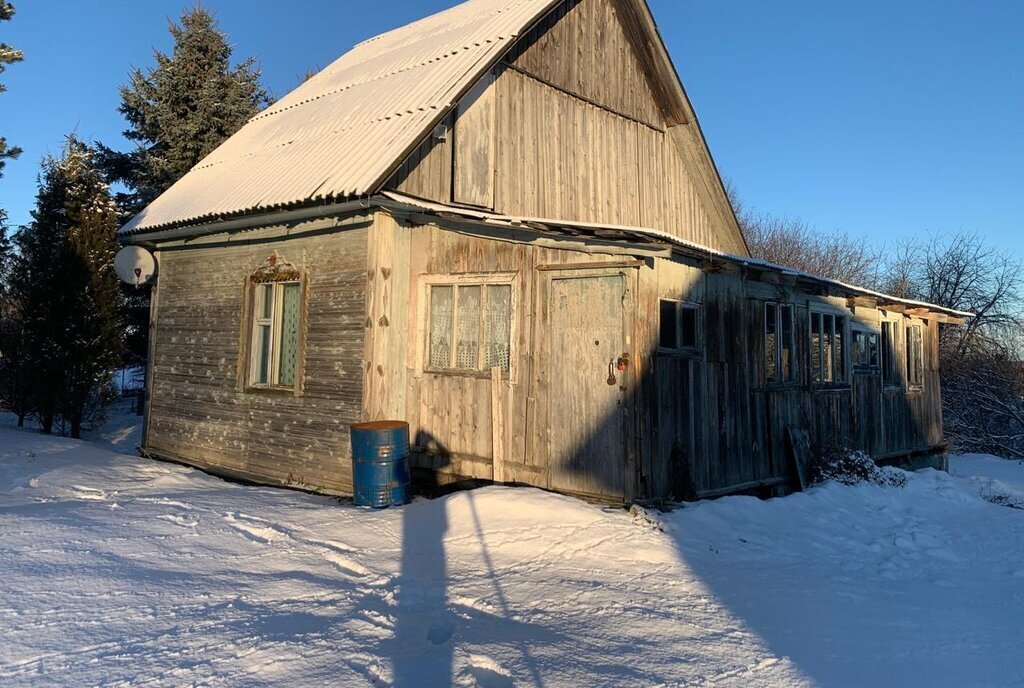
(815, 624)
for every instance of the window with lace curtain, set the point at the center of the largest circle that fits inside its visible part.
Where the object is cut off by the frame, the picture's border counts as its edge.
(469, 325)
(276, 302)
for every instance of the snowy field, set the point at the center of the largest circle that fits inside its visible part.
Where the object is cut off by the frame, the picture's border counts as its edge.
(122, 571)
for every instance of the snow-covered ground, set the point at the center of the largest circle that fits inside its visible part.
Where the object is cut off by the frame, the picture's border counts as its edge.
(116, 570)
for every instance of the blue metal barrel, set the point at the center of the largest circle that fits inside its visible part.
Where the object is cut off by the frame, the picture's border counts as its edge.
(380, 463)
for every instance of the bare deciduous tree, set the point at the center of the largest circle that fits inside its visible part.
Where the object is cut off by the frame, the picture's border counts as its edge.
(982, 362)
(794, 243)
(964, 273)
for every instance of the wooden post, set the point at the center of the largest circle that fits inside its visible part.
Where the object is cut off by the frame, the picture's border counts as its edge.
(497, 427)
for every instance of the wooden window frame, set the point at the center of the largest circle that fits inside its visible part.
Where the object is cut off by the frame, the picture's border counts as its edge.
(482, 279)
(278, 273)
(855, 364)
(914, 349)
(847, 377)
(888, 339)
(794, 377)
(679, 350)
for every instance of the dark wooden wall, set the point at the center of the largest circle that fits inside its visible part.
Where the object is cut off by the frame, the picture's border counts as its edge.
(717, 424)
(199, 415)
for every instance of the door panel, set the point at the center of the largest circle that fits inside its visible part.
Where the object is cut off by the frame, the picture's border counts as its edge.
(587, 393)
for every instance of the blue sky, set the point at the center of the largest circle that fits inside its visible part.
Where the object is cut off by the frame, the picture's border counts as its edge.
(885, 119)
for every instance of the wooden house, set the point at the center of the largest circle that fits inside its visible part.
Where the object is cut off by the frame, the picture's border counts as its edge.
(502, 224)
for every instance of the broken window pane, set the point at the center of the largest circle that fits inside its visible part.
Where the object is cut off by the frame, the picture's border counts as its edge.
(888, 359)
(262, 372)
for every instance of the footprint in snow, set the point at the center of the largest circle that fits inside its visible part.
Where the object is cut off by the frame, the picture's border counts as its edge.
(179, 520)
(484, 672)
(255, 529)
(344, 564)
(440, 632)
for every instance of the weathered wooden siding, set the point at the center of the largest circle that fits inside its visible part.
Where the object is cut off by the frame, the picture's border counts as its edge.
(199, 415)
(697, 423)
(450, 414)
(701, 422)
(427, 173)
(715, 422)
(577, 134)
(582, 49)
(561, 157)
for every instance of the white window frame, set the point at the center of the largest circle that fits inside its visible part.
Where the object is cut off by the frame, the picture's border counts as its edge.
(680, 350)
(794, 364)
(847, 343)
(484, 279)
(275, 321)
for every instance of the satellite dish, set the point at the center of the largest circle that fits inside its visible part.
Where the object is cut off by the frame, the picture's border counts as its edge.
(135, 265)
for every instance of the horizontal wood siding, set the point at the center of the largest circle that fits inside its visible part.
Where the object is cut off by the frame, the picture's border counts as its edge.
(198, 413)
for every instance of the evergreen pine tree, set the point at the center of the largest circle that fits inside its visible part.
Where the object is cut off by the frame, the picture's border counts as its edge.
(8, 55)
(182, 109)
(12, 383)
(177, 113)
(69, 295)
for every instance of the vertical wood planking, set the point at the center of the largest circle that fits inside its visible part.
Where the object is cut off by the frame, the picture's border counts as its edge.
(475, 146)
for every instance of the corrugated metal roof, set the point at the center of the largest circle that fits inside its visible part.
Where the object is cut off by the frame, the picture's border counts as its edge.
(633, 233)
(342, 131)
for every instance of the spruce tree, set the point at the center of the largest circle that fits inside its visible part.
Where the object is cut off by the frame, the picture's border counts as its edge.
(183, 108)
(8, 55)
(13, 387)
(65, 282)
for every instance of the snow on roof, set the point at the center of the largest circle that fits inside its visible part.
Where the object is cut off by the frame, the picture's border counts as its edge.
(496, 219)
(342, 132)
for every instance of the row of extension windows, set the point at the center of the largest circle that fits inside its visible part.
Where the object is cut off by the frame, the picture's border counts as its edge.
(469, 330)
(836, 347)
(830, 359)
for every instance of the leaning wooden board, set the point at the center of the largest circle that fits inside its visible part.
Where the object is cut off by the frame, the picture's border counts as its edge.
(800, 453)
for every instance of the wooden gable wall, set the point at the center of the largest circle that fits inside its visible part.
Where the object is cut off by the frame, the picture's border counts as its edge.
(570, 126)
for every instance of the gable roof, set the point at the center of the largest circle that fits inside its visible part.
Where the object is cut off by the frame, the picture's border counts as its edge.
(342, 133)
(339, 133)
